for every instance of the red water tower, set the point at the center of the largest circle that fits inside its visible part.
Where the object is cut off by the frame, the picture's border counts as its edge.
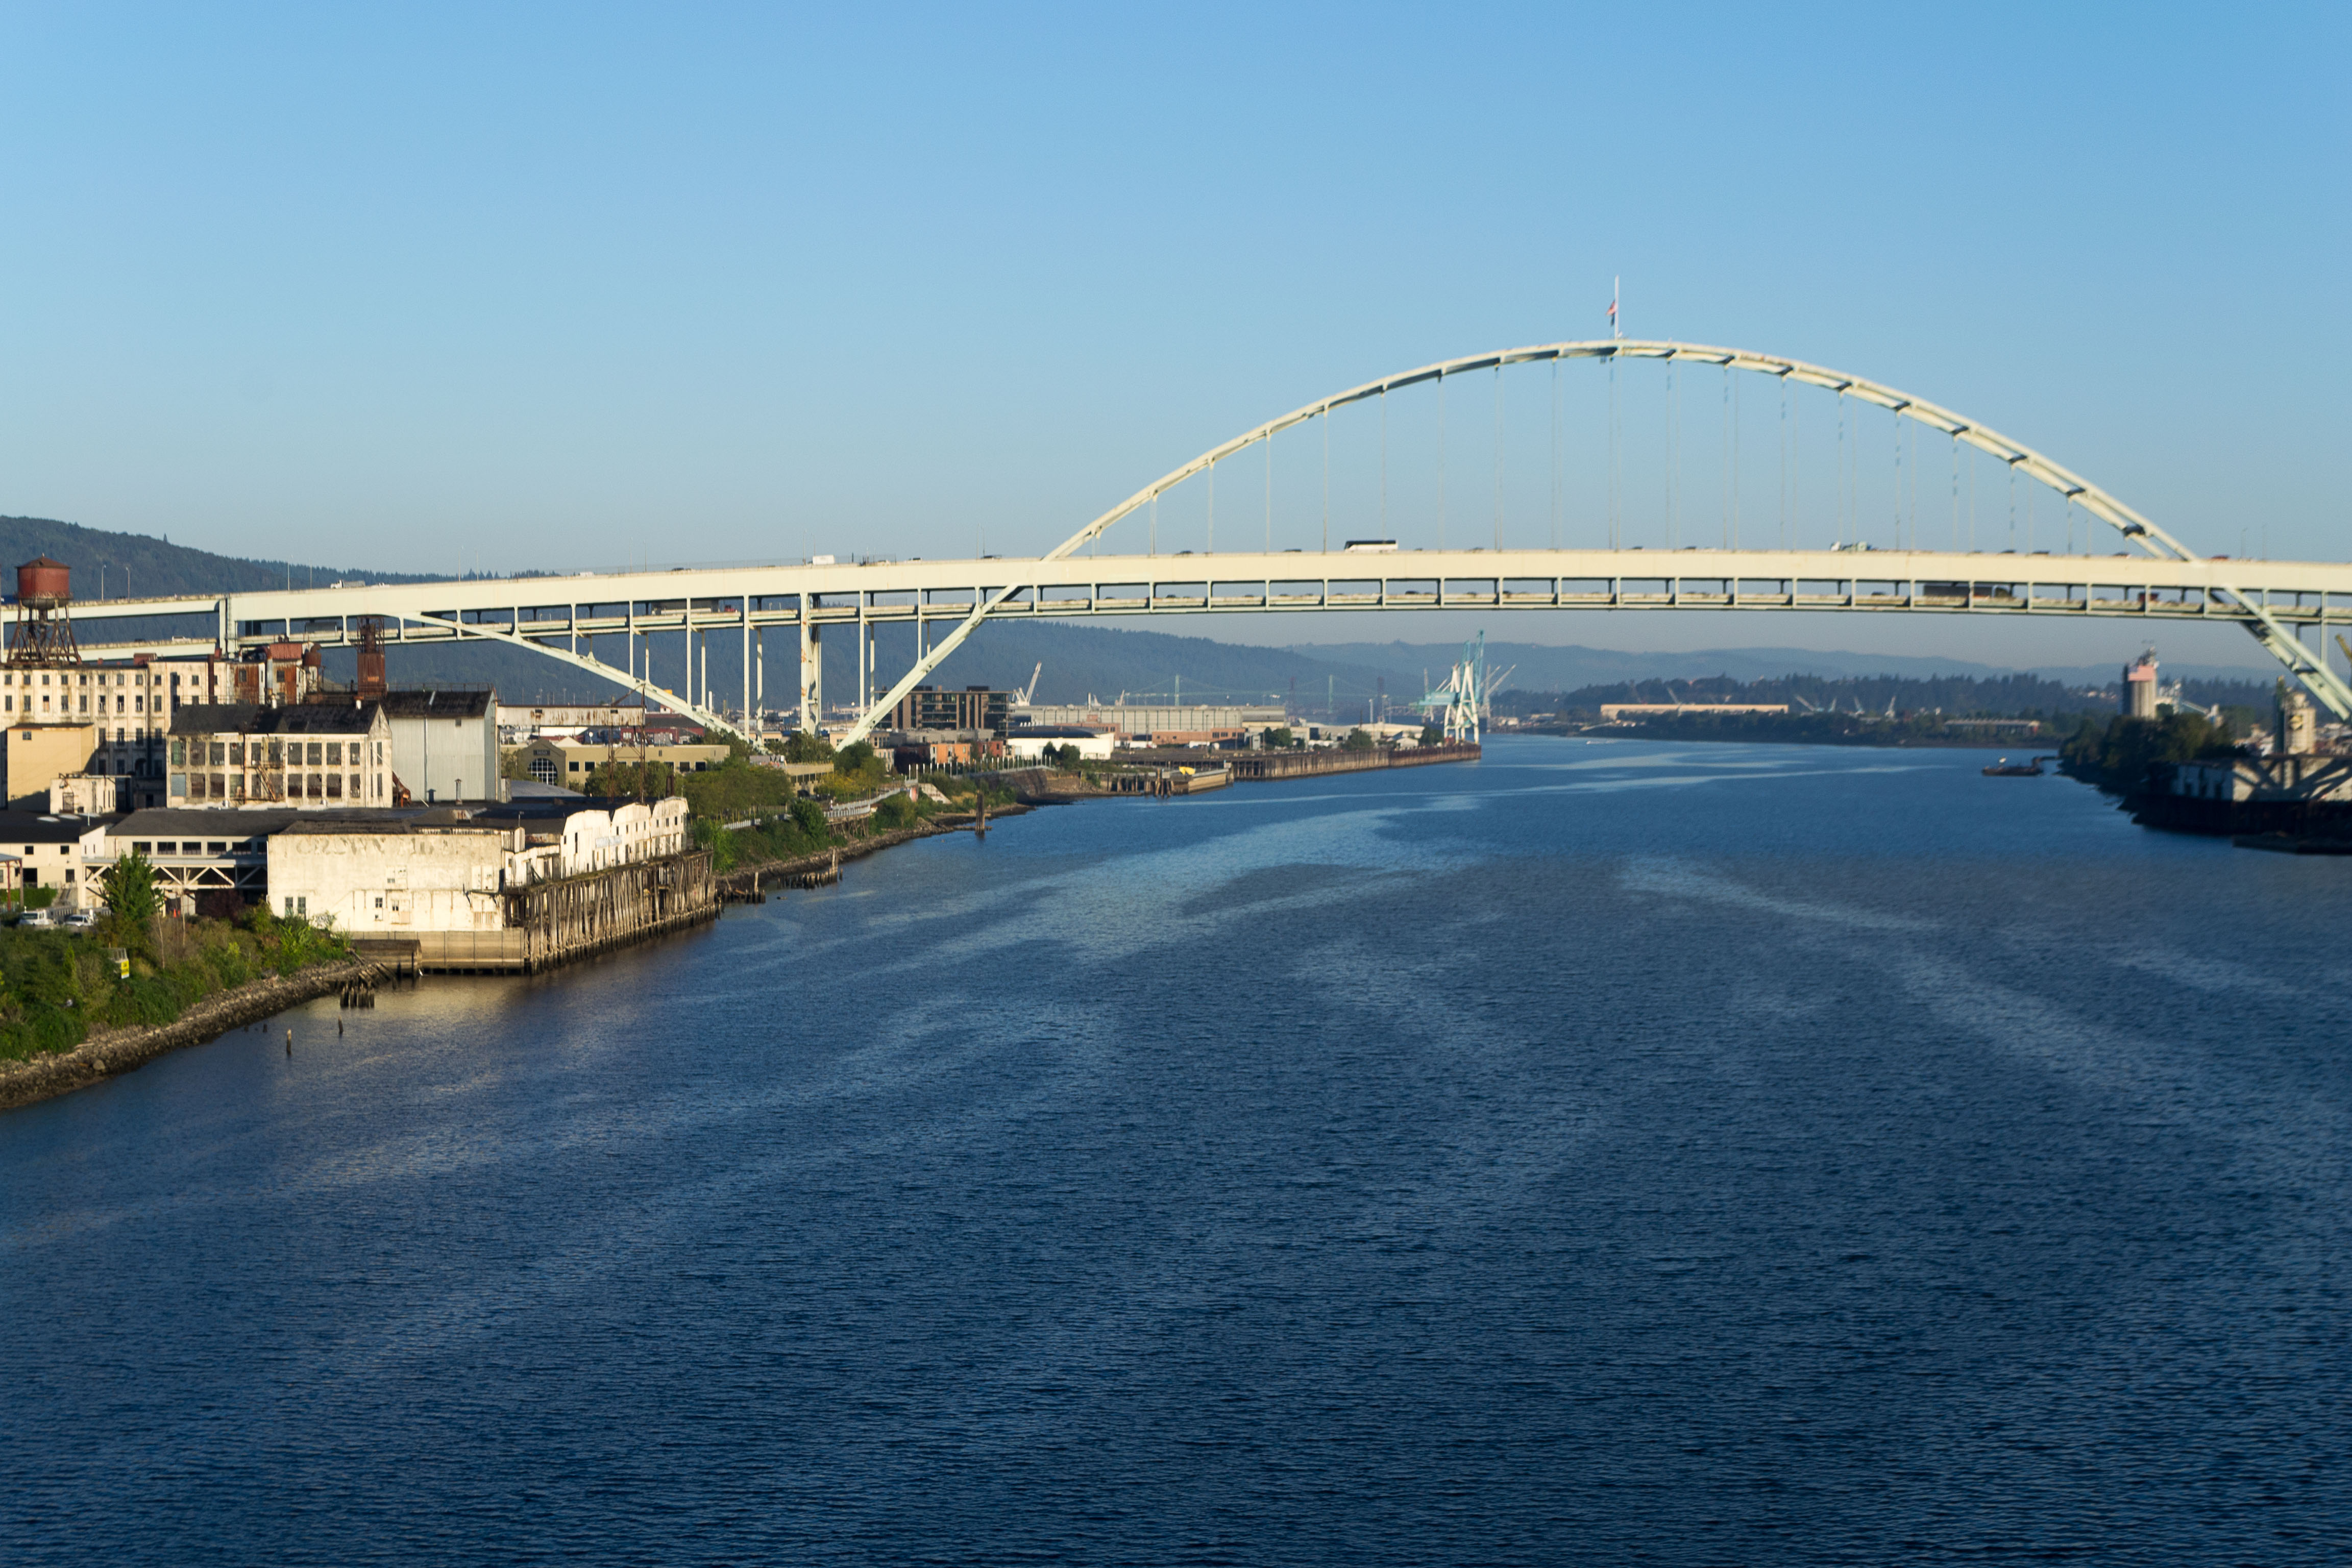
(43, 634)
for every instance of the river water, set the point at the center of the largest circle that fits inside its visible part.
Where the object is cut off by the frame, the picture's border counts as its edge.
(1608, 1153)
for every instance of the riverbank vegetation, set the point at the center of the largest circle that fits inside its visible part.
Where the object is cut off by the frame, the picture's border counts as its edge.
(2129, 755)
(137, 966)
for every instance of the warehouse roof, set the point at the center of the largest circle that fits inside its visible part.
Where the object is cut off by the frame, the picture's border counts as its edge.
(297, 719)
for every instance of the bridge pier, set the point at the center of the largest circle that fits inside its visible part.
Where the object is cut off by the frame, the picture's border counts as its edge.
(812, 670)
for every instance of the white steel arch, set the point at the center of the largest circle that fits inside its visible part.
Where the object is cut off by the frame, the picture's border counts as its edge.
(2267, 629)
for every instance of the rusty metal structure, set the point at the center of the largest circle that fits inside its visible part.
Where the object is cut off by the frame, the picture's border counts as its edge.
(43, 636)
(372, 678)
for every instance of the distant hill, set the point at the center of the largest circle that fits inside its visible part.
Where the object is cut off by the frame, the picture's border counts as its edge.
(134, 565)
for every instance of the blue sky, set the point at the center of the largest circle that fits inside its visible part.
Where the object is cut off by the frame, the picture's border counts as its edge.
(433, 288)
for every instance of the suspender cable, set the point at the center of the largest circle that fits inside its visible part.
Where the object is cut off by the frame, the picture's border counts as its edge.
(1384, 463)
(1956, 490)
(1735, 384)
(1555, 454)
(1726, 479)
(1498, 456)
(1898, 479)
(1269, 495)
(1325, 422)
(1673, 459)
(1440, 459)
(1616, 527)
(1212, 509)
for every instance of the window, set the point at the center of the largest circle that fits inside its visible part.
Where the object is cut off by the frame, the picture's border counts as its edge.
(334, 787)
(335, 753)
(142, 846)
(315, 758)
(237, 753)
(216, 847)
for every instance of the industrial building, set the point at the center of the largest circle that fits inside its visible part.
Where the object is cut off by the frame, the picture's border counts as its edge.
(522, 722)
(414, 874)
(1030, 741)
(315, 753)
(1617, 713)
(39, 849)
(974, 708)
(444, 744)
(569, 762)
(911, 749)
(1165, 724)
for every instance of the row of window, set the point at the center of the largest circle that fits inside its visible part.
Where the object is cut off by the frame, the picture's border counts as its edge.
(279, 754)
(297, 786)
(138, 704)
(83, 677)
(192, 847)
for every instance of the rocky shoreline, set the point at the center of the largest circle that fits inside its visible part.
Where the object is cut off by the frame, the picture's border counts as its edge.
(111, 1051)
(744, 879)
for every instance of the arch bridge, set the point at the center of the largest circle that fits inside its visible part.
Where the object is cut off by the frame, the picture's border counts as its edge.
(2158, 579)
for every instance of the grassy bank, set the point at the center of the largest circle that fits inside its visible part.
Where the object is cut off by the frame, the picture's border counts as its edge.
(55, 988)
(798, 830)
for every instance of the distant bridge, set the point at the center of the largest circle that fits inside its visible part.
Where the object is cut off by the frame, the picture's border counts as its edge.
(559, 617)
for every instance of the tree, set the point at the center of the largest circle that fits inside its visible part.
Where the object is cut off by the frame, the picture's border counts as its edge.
(809, 819)
(1279, 737)
(1432, 734)
(131, 896)
(854, 758)
(1356, 741)
(802, 746)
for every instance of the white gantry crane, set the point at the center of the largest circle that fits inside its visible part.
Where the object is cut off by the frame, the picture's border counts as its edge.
(1459, 704)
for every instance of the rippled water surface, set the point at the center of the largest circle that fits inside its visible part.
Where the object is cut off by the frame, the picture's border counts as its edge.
(1609, 1152)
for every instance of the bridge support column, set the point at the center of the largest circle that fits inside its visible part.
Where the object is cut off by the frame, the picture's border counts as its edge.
(812, 699)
